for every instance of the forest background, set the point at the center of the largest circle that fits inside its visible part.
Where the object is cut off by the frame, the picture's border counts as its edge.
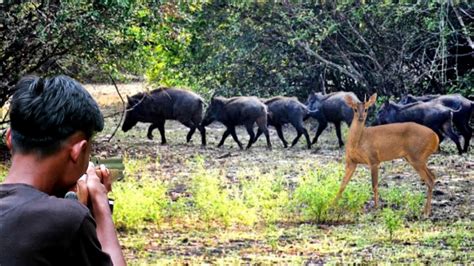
(261, 48)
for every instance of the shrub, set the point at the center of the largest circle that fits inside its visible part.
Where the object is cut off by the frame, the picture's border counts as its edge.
(392, 220)
(314, 195)
(405, 199)
(266, 195)
(215, 203)
(138, 200)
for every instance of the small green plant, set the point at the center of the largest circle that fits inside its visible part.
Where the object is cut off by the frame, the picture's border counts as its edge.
(266, 194)
(216, 203)
(404, 198)
(392, 221)
(139, 198)
(272, 235)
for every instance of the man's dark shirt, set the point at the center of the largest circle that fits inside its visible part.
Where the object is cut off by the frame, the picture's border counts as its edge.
(38, 229)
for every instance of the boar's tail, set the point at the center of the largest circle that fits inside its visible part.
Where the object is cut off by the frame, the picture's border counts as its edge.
(458, 109)
(203, 102)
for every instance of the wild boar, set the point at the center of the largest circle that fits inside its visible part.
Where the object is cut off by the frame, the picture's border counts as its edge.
(432, 115)
(238, 111)
(166, 104)
(333, 109)
(283, 110)
(454, 101)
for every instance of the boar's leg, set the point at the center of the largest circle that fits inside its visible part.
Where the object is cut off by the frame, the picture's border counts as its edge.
(466, 132)
(262, 125)
(280, 135)
(301, 131)
(338, 133)
(322, 126)
(190, 134)
(150, 129)
(249, 127)
(448, 131)
(234, 136)
(192, 129)
(259, 133)
(202, 130)
(224, 136)
(161, 128)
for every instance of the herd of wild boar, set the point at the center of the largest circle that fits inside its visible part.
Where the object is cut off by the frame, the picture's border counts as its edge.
(438, 112)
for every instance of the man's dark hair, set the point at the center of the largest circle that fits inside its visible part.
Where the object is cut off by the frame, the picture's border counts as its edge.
(45, 112)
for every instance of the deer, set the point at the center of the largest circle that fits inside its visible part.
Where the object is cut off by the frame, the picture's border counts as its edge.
(373, 145)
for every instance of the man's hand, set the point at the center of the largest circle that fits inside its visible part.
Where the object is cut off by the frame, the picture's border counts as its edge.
(99, 182)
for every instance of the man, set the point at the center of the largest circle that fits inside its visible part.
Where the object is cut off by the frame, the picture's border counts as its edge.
(52, 122)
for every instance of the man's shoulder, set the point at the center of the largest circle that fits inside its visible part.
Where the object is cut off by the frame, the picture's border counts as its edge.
(24, 200)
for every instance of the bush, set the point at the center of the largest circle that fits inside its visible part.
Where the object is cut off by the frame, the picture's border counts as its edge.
(215, 203)
(266, 194)
(392, 220)
(138, 200)
(314, 196)
(405, 199)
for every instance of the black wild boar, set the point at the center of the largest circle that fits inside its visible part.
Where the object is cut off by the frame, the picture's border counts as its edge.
(432, 115)
(333, 109)
(454, 101)
(166, 104)
(238, 111)
(284, 110)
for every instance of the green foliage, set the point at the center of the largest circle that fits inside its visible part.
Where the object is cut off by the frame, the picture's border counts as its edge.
(138, 200)
(215, 203)
(314, 195)
(404, 199)
(266, 194)
(266, 48)
(392, 221)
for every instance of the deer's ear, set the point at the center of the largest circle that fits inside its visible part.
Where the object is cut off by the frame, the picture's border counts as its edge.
(371, 100)
(349, 101)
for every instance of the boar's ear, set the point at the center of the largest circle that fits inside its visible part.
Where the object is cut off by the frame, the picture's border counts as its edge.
(349, 101)
(371, 101)
(129, 99)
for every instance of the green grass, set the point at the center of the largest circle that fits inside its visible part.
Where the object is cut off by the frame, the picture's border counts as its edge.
(262, 216)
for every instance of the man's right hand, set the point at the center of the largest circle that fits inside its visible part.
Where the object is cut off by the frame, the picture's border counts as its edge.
(98, 183)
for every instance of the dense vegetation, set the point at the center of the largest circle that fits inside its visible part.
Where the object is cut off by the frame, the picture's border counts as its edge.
(261, 47)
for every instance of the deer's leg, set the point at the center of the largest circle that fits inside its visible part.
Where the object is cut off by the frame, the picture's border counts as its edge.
(350, 168)
(224, 136)
(428, 178)
(374, 171)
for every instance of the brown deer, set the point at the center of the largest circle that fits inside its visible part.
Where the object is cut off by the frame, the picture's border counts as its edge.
(373, 145)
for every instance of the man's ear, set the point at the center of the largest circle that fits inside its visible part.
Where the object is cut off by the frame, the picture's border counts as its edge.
(76, 150)
(8, 139)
